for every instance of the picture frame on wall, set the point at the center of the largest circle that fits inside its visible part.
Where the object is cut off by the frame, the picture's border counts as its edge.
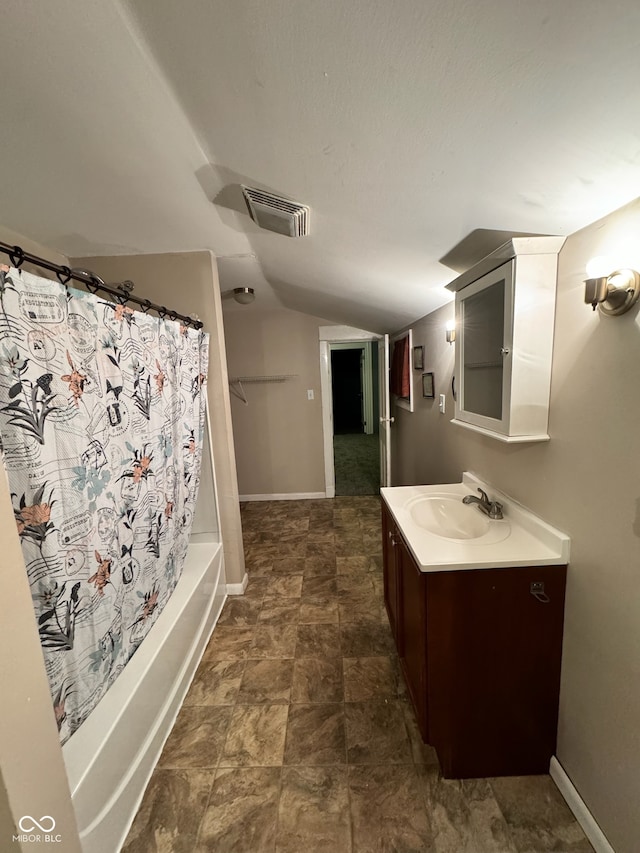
(418, 358)
(428, 389)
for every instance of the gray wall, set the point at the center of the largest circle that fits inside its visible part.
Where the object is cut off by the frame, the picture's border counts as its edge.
(586, 481)
(278, 435)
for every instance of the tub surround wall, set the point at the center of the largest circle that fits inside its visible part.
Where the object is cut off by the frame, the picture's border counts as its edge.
(586, 481)
(188, 282)
(33, 780)
(278, 435)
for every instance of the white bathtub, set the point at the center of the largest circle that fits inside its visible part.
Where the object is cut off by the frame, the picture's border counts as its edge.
(111, 757)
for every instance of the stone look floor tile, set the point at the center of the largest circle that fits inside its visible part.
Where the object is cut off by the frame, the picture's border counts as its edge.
(197, 737)
(287, 586)
(359, 605)
(256, 588)
(170, 813)
(240, 611)
(266, 682)
(422, 753)
(279, 611)
(366, 639)
(229, 643)
(314, 811)
(256, 736)
(348, 565)
(370, 678)
(243, 811)
(387, 811)
(278, 772)
(464, 815)
(315, 586)
(376, 733)
(538, 818)
(315, 735)
(318, 641)
(273, 641)
(319, 566)
(317, 680)
(320, 609)
(216, 683)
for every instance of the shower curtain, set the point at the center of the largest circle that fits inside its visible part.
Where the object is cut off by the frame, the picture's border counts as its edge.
(101, 426)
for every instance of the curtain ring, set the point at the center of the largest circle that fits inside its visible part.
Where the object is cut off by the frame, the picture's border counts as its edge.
(64, 275)
(93, 284)
(162, 311)
(173, 316)
(16, 257)
(145, 305)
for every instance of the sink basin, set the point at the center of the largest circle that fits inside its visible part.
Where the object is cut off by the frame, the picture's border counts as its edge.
(446, 516)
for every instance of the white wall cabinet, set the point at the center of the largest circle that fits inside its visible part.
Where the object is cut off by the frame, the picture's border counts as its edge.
(505, 311)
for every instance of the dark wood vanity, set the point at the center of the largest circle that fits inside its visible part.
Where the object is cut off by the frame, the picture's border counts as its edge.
(480, 650)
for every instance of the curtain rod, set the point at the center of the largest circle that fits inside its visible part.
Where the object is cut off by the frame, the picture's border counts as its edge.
(93, 283)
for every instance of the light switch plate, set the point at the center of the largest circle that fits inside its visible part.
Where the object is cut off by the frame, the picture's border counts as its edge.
(441, 404)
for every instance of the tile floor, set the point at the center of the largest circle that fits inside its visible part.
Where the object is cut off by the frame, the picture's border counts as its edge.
(296, 735)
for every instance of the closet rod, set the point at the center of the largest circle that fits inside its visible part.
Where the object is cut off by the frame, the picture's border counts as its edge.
(94, 283)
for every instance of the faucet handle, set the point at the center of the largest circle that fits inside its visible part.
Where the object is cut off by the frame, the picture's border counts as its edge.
(484, 496)
(495, 510)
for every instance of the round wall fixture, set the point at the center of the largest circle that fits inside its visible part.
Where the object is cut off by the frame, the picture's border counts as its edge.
(623, 290)
(244, 295)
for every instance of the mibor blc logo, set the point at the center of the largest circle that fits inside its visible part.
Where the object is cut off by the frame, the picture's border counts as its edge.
(37, 830)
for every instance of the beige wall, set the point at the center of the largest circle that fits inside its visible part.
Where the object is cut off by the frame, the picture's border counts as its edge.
(33, 778)
(188, 283)
(278, 435)
(586, 481)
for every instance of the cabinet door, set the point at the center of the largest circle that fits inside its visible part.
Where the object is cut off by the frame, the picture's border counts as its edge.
(494, 669)
(413, 628)
(483, 350)
(390, 538)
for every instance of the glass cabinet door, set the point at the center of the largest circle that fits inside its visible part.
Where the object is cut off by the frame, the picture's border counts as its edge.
(484, 321)
(483, 324)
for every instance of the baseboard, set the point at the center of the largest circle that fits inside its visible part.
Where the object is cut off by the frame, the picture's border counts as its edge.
(577, 805)
(238, 588)
(284, 496)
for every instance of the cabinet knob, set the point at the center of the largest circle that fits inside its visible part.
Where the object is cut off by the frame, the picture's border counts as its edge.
(504, 350)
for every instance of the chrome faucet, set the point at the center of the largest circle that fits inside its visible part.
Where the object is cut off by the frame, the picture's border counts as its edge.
(491, 508)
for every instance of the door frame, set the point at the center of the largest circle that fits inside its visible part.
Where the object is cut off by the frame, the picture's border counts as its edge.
(334, 335)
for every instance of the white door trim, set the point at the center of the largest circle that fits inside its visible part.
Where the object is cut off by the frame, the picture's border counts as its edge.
(335, 334)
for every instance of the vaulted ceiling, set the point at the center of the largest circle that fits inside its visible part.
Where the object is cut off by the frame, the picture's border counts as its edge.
(405, 125)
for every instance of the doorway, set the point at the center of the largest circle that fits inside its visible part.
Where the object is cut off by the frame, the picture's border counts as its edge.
(355, 417)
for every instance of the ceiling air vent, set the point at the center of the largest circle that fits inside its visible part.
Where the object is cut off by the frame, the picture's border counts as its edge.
(275, 213)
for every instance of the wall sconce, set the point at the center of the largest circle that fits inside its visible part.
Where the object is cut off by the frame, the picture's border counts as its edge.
(451, 331)
(613, 292)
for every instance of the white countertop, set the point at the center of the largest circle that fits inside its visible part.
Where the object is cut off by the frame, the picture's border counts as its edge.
(520, 539)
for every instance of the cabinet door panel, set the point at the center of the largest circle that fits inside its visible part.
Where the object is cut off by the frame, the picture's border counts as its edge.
(413, 629)
(391, 576)
(494, 669)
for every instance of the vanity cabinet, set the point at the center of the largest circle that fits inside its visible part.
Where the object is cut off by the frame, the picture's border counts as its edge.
(480, 654)
(505, 311)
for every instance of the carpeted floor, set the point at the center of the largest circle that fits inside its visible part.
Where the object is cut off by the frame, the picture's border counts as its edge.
(357, 464)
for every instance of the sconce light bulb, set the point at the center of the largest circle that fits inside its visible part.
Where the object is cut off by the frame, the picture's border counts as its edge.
(451, 325)
(599, 267)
